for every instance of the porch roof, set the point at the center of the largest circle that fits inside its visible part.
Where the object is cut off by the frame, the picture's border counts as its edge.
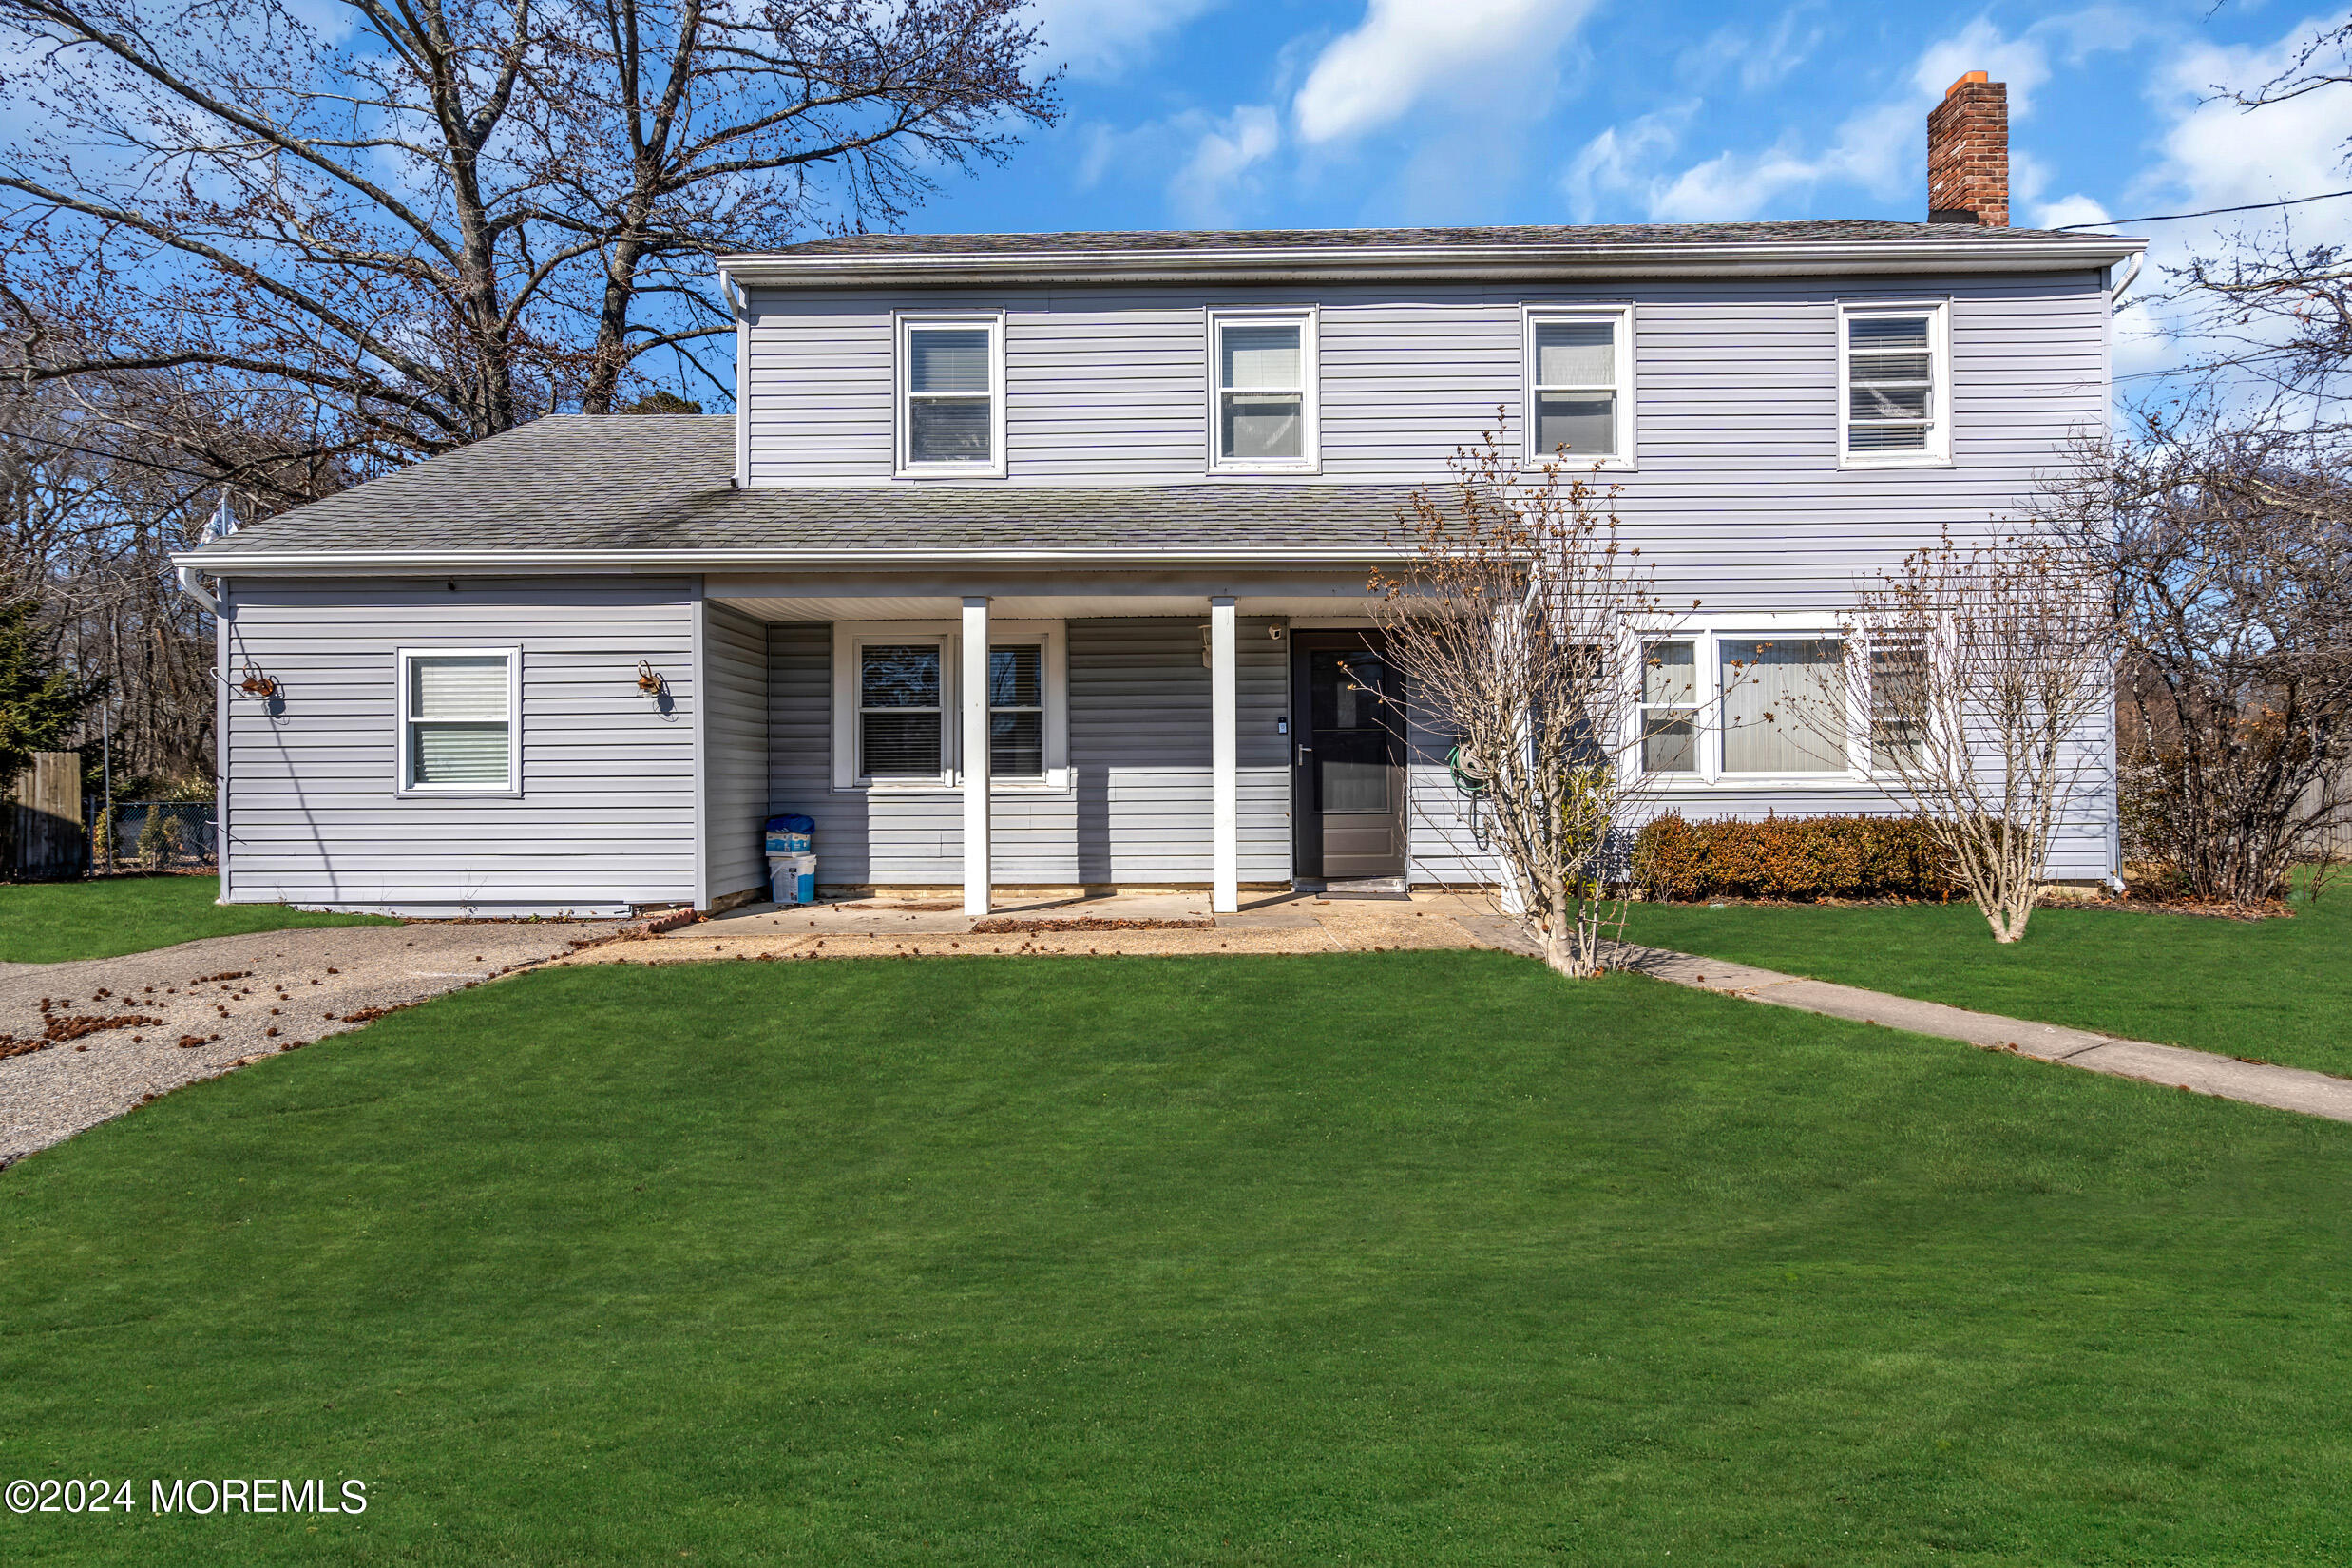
(655, 490)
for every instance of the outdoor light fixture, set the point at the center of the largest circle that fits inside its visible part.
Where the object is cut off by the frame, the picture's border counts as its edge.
(649, 683)
(250, 683)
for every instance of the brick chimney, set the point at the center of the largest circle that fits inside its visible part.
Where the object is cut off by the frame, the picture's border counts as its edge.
(1968, 154)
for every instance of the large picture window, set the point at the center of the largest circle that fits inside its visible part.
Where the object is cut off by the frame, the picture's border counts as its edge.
(951, 395)
(1783, 707)
(1263, 384)
(1579, 386)
(457, 710)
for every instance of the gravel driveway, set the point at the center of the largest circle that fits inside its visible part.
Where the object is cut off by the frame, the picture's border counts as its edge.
(109, 1033)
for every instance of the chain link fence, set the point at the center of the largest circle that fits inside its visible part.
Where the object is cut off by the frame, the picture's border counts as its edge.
(163, 835)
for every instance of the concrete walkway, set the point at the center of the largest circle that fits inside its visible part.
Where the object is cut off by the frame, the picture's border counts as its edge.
(2174, 1066)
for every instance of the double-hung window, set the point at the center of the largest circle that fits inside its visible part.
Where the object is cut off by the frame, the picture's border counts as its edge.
(457, 729)
(897, 722)
(1669, 707)
(1895, 385)
(902, 712)
(1898, 692)
(1262, 392)
(1016, 710)
(1579, 386)
(951, 395)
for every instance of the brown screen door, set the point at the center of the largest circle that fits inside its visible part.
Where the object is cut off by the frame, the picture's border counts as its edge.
(1348, 757)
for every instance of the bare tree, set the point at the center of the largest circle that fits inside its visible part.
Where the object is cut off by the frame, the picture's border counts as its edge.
(1983, 671)
(1516, 625)
(2229, 547)
(429, 220)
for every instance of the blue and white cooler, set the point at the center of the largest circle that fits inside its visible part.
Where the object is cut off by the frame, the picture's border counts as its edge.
(791, 861)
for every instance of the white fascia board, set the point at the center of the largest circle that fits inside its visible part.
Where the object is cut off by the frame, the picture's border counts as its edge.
(312, 563)
(1374, 263)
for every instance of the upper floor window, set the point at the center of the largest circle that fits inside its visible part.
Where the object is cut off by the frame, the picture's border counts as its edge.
(951, 395)
(457, 709)
(1579, 386)
(1262, 417)
(1895, 385)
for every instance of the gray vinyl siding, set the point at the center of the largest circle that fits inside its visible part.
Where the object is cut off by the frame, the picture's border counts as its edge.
(1138, 808)
(734, 728)
(606, 815)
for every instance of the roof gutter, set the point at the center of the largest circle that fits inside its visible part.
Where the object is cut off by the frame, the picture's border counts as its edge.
(1372, 264)
(427, 562)
(193, 590)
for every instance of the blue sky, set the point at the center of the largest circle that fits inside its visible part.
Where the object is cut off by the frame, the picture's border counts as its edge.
(1276, 113)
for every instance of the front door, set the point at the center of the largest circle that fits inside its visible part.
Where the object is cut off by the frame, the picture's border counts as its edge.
(1348, 757)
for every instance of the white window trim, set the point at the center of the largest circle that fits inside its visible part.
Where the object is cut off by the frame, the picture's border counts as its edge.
(404, 785)
(1621, 317)
(1709, 633)
(1310, 319)
(850, 636)
(905, 322)
(1939, 452)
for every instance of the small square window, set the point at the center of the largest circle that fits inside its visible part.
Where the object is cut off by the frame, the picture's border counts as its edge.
(457, 722)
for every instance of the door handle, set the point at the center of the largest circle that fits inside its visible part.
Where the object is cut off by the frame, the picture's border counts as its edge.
(1303, 753)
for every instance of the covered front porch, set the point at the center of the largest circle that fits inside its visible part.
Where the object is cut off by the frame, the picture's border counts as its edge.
(1140, 725)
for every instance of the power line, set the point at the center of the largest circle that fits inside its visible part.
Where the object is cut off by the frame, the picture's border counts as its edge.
(114, 457)
(2209, 212)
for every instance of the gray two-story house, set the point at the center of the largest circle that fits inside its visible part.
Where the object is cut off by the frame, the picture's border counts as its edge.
(1028, 560)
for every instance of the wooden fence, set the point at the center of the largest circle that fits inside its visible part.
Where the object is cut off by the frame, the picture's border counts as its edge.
(47, 836)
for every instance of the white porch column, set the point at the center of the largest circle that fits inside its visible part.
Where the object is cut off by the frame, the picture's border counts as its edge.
(1224, 763)
(974, 730)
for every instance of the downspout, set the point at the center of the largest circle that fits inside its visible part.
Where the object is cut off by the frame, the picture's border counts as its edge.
(740, 306)
(188, 585)
(2131, 275)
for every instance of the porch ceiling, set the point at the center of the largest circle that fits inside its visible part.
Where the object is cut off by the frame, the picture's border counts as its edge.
(1071, 606)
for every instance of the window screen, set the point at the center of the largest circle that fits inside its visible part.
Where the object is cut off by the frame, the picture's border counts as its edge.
(950, 409)
(1890, 384)
(1261, 390)
(458, 723)
(1017, 711)
(1784, 705)
(898, 711)
(1576, 388)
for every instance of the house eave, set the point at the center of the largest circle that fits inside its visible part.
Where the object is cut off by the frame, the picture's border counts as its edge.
(216, 561)
(1511, 263)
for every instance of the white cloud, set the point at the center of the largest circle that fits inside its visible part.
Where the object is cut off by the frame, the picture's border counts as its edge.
(1405, 51)
(1223, 163)
(1760, 61)
(1619, 158)
(1099, 38)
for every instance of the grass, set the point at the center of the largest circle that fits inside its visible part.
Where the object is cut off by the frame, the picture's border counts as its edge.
(1362, 1258)
(2279, 989)
(56, 922)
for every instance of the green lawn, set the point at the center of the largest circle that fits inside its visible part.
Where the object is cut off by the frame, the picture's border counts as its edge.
(54, 921)
(2279, 989)
(1396, 1258)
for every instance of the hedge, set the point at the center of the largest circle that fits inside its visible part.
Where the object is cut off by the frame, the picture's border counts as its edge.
(1789, 857)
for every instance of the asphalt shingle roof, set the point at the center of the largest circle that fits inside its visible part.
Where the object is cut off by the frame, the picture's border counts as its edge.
(1817, 231)
(660, 482)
